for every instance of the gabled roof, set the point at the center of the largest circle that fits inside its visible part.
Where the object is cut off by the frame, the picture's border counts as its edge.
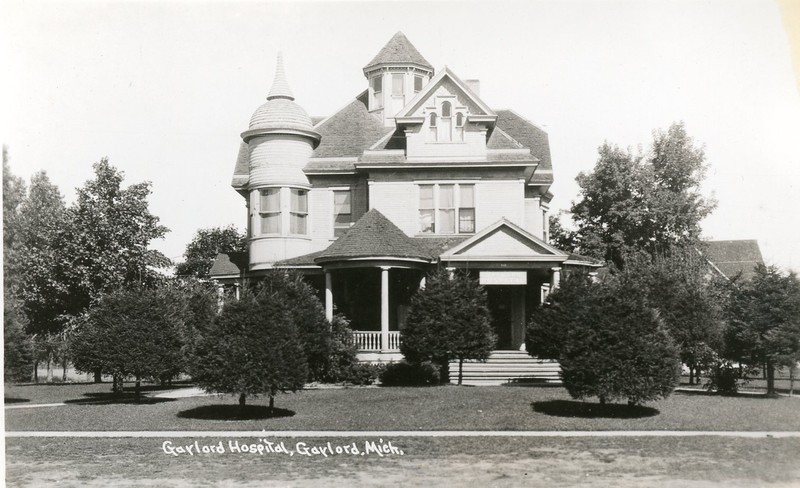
(531, 136)
(373, 236)
(350, 131)
(734, 257)
(504, 241)
(445, 74)
(229, 264)
(398, 50)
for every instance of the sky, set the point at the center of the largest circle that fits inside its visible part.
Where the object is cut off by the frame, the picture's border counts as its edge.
(164, 90)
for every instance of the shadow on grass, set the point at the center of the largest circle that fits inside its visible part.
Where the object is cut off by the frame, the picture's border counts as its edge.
(567, 408)
(15, 400)
(753, 395)
(110, 398)
(234, 412)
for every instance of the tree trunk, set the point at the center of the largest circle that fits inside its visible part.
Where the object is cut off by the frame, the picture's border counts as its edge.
(602, 401)
(98, 376)
(138, 390)
(691, 374)
(460, 370)
(36, 371)
(64, 364)
(116, 384)
(271, 405)
(791, 380)
(242, 400)
(770, 379)
(49, 367)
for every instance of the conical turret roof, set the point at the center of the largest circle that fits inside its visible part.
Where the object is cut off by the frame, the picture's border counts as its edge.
(280, 87)
(399, 50)
(280, 111)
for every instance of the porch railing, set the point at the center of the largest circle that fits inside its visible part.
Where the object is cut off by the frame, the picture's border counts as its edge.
(367, 340)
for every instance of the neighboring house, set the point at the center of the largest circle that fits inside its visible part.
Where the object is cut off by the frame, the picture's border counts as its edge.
(733, 258)
(416, 171)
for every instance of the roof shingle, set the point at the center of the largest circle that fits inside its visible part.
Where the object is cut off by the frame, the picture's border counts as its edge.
(229, 263)
(398, 50)
(349, 132)
(373, 235)
(734, 257)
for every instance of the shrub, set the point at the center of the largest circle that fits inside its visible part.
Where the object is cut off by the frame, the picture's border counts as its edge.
(408, 374)
(363, 374)
(725, 378)
(132, 332)
(341, 359)
(299, 300)
(609, 343)
(252, 348)
(448, 320)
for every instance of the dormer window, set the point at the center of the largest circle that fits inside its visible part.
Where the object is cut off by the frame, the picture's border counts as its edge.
(398, 82)
(446, 127)
(377, 89)
(417, 84)
(446, 107)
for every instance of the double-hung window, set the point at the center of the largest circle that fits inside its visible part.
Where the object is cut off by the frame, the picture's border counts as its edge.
(447, 208)
(377, 89)
(298, 211)
(270, 211)
(342, 212)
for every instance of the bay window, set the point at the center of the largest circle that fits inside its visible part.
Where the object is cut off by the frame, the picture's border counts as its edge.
(281, 209)
(270, 211)
(298, 211)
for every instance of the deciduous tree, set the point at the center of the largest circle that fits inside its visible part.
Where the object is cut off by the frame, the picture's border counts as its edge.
(206, 244)
(109, 231)
(641, 202)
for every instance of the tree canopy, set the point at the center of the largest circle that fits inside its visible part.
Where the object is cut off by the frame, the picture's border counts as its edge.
(204, 247)
(640, 202)
(448, 320)
(109, 231)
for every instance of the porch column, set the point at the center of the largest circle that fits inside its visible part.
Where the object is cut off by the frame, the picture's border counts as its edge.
(220, 296)
(451, 272)
(328, 297)
(237, 292)
(384, 308)
(422, 283)
(555, 278)
(593, 276)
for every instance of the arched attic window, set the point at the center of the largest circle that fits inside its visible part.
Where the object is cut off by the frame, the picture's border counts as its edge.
(446, 127)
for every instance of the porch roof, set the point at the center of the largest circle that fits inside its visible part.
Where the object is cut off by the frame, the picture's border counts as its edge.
(374, 236)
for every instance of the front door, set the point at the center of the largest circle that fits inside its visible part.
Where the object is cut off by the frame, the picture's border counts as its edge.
(501, 301)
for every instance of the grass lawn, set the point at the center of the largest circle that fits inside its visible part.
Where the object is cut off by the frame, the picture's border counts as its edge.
(427, 408)
(491, 461)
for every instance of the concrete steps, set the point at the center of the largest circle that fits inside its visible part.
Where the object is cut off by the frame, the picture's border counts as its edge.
(508, 367)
